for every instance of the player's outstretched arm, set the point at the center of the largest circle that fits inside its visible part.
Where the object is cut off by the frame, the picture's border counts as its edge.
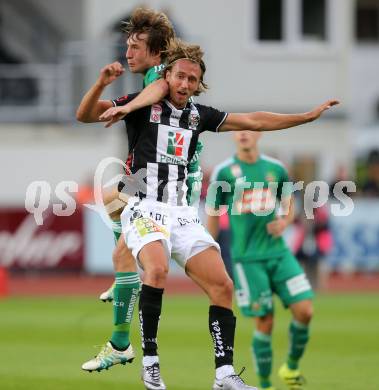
(151, 94)
(268, 121)
(91, 107)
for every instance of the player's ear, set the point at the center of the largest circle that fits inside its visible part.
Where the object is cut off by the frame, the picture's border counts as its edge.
(167, 76)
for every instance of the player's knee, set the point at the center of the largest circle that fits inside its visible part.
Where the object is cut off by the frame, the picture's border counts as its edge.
(305, 314)
(265, 324)
(156, 275)
(228, 287)
(223, 289)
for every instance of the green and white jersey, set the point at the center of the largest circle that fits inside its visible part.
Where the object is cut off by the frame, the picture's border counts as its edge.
(152, 74)
(251, 193)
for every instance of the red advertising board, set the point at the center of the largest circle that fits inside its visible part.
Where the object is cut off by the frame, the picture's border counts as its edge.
(55, 245)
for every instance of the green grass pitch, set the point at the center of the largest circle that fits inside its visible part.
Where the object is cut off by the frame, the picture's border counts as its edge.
(44, 341)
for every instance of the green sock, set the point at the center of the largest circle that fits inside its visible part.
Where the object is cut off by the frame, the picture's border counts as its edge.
(299, 336)
(261, 345)
(117, 230)
(125, 296)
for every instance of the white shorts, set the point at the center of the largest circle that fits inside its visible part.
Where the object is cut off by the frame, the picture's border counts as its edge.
(178, 227)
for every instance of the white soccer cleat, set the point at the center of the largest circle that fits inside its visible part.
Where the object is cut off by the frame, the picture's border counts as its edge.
(108, 357)
(232, 382)
(151, 377)
(107, 296)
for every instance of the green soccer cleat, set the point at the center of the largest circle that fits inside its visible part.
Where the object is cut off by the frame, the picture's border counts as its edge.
(107, 296)
(292, 378)
(108, 357)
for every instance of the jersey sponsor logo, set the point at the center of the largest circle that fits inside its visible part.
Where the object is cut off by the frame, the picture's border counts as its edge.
(185, 221)
(156, 113)
(256, 200)
(145, 226)
(236, 170)
(217, 339)
(193, 121)
(175, 144)
(270, 177)
(298, 285)
(172, 160)
(133, 299)
(162, 218)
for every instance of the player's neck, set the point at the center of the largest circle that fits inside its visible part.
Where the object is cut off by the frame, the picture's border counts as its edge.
(248, 156)
(177, 105)
(150, 65)
(155, 63)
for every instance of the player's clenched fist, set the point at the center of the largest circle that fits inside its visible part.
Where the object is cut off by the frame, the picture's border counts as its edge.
(110, 72)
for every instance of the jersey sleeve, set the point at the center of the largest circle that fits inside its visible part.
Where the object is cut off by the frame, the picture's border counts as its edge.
(151, 75)
(211, 118)
(122, 100)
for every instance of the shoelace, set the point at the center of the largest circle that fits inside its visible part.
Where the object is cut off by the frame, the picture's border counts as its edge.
(237, 377)
(105, 350)
(154, 372)
(297, 381)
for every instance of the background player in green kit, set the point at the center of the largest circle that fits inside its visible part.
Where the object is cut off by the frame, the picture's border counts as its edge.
(262, 263)
(148, 35)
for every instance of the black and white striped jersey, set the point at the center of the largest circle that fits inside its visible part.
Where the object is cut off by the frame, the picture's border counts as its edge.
(162, 141)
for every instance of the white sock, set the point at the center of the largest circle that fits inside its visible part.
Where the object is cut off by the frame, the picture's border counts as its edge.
(149, 360)
(224, 371)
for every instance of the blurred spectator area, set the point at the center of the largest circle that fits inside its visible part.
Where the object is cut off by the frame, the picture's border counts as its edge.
(42, 59)
(27, 38)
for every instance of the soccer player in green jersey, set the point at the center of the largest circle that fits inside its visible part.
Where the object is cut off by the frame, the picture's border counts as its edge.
(252, 186)
(148, 35)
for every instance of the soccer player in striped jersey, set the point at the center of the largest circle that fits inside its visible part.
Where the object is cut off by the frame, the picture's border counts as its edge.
(148, 34)
(158, 223)
(262, 263)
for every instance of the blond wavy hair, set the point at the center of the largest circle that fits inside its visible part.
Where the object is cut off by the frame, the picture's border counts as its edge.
(179, 50)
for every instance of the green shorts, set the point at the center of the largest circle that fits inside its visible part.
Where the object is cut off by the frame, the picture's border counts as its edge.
(255, 283)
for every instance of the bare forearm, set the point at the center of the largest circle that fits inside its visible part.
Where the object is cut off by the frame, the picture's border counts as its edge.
(152, 94)
(91, 106)
(268, 121)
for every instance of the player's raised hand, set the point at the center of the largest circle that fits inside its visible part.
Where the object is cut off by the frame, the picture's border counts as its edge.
(113, 115)
(317, 112)
(276, 227)
(110, 72)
